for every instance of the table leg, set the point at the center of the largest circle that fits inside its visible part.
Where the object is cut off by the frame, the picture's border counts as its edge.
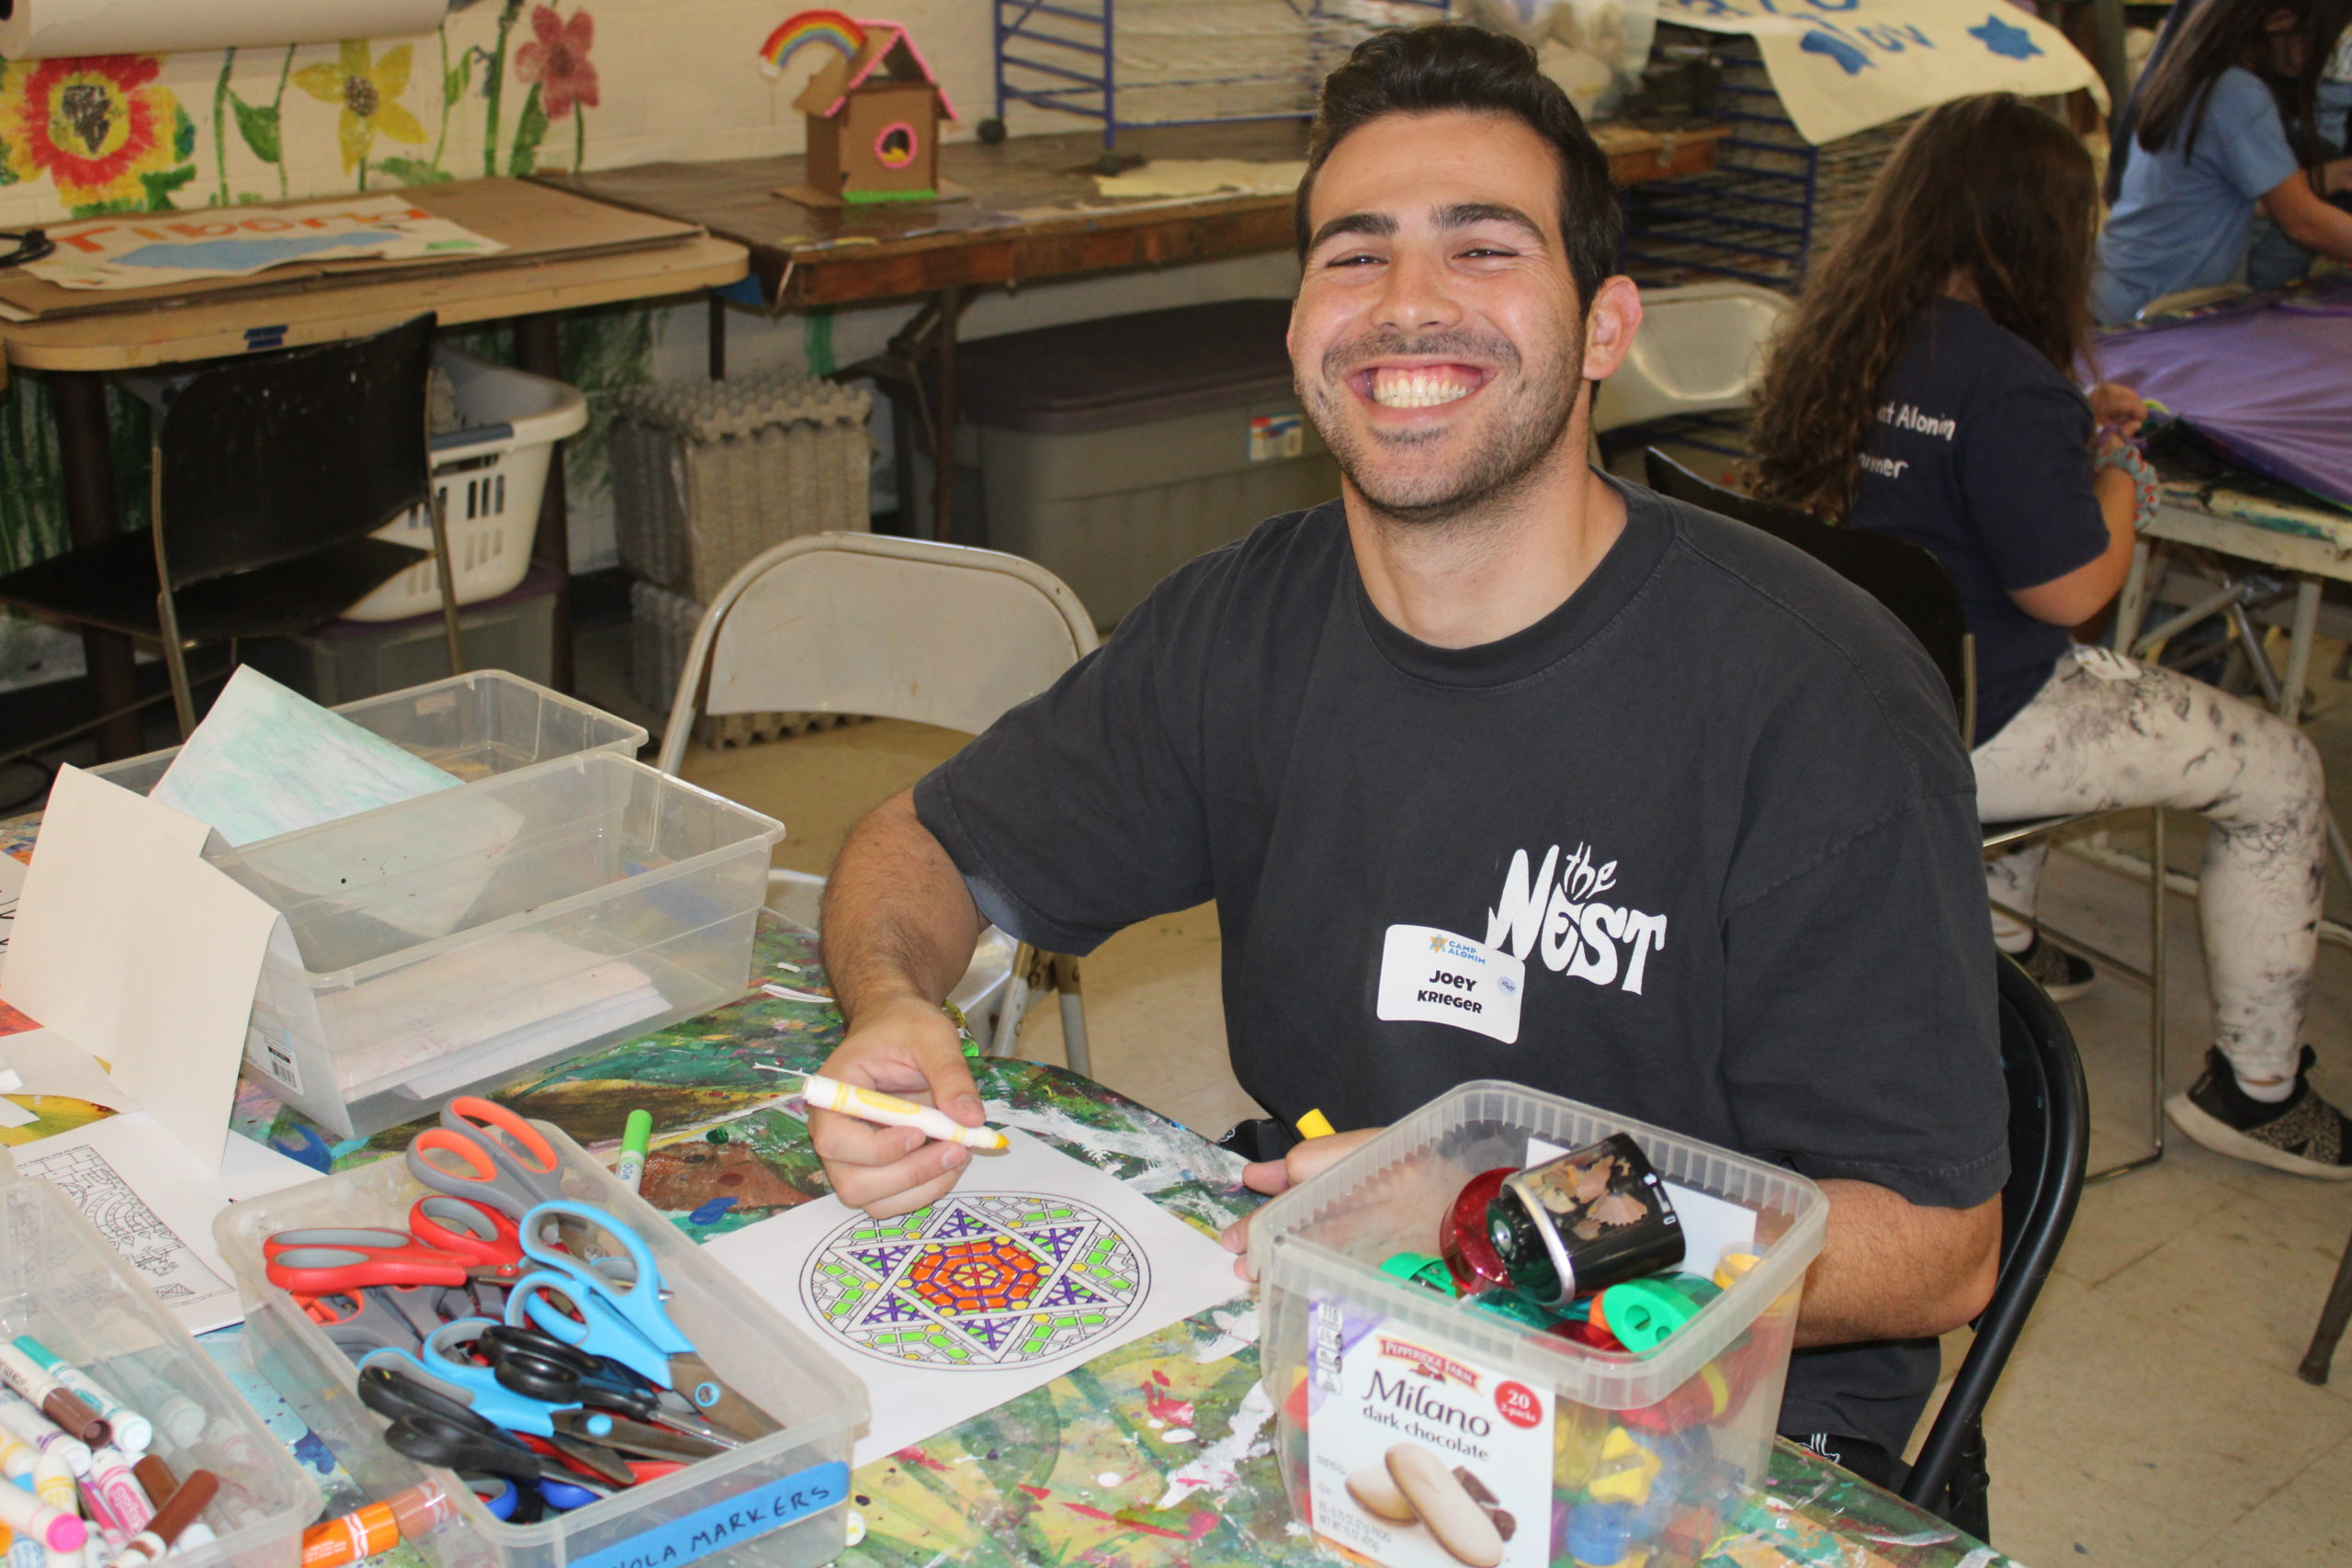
(943, 415)
(538, 350)
(718, 326)
(80, 400)
(2299, 650)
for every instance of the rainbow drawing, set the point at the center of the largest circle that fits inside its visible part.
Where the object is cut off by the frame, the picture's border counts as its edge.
(810, 26)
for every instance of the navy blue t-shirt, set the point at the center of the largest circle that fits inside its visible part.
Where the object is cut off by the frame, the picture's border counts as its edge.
(1981, 451)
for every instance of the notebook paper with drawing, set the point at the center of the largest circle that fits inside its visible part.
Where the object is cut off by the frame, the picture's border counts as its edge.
(1035, 1264)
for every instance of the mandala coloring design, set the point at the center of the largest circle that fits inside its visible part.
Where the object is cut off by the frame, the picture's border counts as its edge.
(978, 1279)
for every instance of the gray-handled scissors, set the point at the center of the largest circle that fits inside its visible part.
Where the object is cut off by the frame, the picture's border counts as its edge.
(486, 1154)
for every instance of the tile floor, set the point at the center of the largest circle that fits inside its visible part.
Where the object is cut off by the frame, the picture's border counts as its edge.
(2150, 1416)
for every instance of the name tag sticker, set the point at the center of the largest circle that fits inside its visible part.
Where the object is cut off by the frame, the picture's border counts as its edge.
(1428, 975)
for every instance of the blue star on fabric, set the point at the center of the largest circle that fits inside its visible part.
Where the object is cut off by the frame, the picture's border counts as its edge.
(1851, 58)
(2004, 39)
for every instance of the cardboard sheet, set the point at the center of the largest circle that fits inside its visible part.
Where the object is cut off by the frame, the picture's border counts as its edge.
(129, 944)
(155, 1204)
(1035, 1264)
(159, 251)
(1204, 176)
(532, 222)
(1868, 62)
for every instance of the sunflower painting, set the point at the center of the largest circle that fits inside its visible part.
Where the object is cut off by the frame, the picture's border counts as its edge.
(368, 90)
(102, 130)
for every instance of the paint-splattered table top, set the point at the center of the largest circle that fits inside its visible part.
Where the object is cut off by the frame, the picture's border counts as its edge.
(1157, 1453)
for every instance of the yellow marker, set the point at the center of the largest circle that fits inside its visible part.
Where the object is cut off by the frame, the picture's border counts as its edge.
(1315, 1124)
(888, 1109)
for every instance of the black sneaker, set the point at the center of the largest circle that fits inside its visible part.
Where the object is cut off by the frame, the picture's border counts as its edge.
(2056, 971)
(2303, 1134)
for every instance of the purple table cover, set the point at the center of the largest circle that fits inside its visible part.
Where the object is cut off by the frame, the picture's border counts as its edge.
(2269, 383)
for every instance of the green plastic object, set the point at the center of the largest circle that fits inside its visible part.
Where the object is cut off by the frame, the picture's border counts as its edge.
(1646, 1314)
(1419, 1269)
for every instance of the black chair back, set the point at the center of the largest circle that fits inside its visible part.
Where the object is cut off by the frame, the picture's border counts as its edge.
(269, 459)
(2049, 1146)
(1906, 578)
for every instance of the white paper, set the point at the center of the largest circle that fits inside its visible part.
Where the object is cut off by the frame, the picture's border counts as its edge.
(154, 1205)
(131, 945)
(12, 884)
(48, 29)
(51, 1064)
(1184, 1273)
(267, 760)
(1711, 1225)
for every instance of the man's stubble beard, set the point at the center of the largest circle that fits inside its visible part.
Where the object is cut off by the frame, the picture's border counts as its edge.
(1497, 472)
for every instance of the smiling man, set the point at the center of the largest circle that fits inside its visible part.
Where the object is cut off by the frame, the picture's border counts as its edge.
(1497, 767)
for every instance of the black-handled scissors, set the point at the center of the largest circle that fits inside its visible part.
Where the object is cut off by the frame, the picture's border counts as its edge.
(545, 1367)
(433, 1428)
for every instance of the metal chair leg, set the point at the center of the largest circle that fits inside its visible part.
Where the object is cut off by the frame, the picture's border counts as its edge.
(2332, 1319)
(437, 508)
(1074, 1045)
(167, 612)
(1015, 1002)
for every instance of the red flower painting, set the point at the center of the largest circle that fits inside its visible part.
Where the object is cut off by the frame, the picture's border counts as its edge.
(556, 61)
(92, 125)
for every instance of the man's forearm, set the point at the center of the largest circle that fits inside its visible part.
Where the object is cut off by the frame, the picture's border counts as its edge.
(1892, 1269)
(898, 920)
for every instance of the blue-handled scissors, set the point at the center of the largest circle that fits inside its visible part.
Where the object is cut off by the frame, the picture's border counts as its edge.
(577, 1298)
(487, 1154)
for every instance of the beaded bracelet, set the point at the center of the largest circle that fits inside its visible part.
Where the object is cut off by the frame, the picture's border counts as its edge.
(2130, 458)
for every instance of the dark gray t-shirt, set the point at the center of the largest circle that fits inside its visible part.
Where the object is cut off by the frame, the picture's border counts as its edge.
(1740, 774)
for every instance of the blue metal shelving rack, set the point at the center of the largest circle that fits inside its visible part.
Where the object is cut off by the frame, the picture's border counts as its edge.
(1065, 55)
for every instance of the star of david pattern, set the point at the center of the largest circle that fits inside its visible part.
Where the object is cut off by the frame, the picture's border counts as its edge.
(978, 1279)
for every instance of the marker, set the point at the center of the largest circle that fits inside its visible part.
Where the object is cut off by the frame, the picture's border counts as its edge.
(636, 1141)
(17, 1457)
(1315, 1124)
(57, 1402)
(889, 1110)
(154, 1478)
(134, 1433)
(33, 1427)
(24, 1552)
(28, 1514)
(195, 1494)
(113, 1492)
(53, 1484)
(375, 1528)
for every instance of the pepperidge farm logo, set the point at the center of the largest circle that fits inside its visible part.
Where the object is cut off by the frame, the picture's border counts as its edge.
(1556, 911)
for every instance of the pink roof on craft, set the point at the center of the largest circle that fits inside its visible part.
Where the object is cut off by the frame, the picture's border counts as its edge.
(881, 38)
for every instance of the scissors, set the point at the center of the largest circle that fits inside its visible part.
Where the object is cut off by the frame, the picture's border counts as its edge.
(623, 1320)
(361, 1322)
(488, 1155)
(485, 1235)
(443, 1366)
(336, 1262)
(433, 1428)
(544, 1367)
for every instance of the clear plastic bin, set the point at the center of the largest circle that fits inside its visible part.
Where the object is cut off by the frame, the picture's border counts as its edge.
(1704, 1405)
(63, 1284)
(680, 1519)
(448, 943)
(474, 726)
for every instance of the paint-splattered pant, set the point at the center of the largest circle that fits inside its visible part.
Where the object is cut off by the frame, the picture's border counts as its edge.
(2108, 731)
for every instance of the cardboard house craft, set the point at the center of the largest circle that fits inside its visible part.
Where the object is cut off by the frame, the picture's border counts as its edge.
(873, 120)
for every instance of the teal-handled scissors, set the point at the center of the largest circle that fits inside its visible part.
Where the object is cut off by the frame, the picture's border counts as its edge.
(445, 1362)
(577, 1298)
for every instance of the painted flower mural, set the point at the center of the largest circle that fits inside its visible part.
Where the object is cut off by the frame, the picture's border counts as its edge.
(556, 61)
(100, 128)
(368, 90)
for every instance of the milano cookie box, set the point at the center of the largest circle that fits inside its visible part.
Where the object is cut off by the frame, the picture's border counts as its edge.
(1420, 1432)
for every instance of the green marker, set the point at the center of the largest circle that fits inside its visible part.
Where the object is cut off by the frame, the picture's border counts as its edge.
(637, 1138)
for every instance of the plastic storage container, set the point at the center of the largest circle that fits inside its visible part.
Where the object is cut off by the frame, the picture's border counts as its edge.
(1542, 1423)
(721, 1511)
(1700, 348)
(345, 661)
(489, 474)
(448, 943)
(1112, 452)
(474, 726)
(63, 1284)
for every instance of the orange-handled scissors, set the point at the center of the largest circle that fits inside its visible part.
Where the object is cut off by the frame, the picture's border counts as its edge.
(483, 1236)
(487, 1154)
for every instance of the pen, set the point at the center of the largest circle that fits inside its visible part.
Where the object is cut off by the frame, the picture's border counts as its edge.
(889, 1110)
(637, 1138)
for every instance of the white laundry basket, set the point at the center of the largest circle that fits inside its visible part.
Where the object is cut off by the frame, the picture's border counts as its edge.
(489, 474)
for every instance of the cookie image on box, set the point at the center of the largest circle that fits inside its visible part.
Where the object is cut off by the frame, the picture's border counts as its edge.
(1454, 1517)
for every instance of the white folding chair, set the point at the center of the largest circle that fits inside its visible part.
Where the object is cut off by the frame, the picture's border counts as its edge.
(895, 628)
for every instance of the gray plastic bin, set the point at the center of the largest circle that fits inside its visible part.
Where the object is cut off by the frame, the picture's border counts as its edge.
(1112, 452)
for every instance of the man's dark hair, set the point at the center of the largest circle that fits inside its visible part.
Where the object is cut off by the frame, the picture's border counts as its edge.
(1448, 66)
